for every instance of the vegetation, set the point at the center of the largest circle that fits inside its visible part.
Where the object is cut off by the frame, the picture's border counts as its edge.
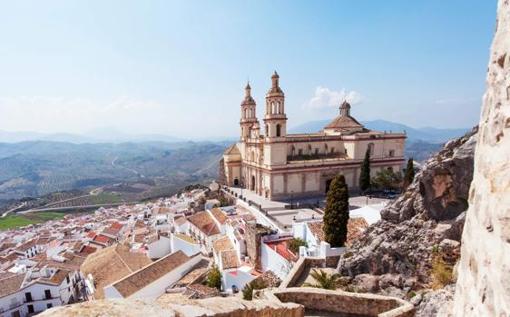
(336, 214)
(364, 178)
(324, 280)
(13, 221)
(295, 243)
(250, 287)
(214, 278)
(386, 179)
(441, 272)
(409, 175)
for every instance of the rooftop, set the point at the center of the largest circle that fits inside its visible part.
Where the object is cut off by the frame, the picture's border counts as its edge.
(150, 273)
(204, 222)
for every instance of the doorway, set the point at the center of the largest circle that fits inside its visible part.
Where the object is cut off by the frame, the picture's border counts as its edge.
(252, 187)
(236, 182)
(328, 184)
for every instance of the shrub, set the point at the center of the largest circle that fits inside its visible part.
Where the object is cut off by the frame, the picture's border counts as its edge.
(324, 280)
(295, 243)
(214, 278)
(250, 287)
(441, 272)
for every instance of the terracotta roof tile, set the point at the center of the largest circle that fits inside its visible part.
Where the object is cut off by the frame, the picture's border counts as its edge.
(220, 216)
(204, 222)
(149, 274)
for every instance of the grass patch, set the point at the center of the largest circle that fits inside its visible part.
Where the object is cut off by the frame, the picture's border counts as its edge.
(18, 220)
(14, 221)
(441, 273)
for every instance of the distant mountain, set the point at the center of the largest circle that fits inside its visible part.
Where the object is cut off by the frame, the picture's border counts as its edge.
(105, 135)
(427, 134)
(36, 168)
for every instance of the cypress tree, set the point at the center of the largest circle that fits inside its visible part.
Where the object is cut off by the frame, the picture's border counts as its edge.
(364, 177)
(409, 176)
(336, 213)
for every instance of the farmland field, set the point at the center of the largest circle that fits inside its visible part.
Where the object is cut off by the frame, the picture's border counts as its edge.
(18, 220)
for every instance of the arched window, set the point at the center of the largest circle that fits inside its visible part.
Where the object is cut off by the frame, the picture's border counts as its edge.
(278, 130)
(293, 151)
(267, 130)
(273, 108)
(278, 107)
(245, 112)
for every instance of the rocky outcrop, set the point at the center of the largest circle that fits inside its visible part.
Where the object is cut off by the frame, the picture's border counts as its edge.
(440, 191)
(483, 287)
(396, 256)
(429, 212)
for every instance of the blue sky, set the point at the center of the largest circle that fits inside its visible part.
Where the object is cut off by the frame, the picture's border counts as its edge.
(179, 67)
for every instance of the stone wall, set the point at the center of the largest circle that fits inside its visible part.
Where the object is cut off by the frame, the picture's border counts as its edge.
(179, 307)
(483, 284)
(346, 303)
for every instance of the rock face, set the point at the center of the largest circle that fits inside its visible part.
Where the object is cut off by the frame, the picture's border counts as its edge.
(429, 214)
(483, 285)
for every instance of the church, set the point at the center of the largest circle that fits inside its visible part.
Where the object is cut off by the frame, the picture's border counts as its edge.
(277, 165)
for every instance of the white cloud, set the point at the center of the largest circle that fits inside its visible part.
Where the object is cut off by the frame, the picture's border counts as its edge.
(325, 98)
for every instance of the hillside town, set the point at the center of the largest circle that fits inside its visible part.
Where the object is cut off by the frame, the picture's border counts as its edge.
(162, 247)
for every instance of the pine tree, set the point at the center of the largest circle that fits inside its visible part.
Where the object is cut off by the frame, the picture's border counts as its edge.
(409, 176)
(336, 214)
(364, 178)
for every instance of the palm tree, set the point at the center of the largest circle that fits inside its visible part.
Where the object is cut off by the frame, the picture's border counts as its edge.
(323, 279)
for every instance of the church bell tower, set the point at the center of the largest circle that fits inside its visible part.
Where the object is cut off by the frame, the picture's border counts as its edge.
(248, 114)
(275, 119)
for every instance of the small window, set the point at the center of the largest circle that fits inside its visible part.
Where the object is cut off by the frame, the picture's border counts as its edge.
(300, 152)
(47, 293)
(392, 153)
(67, 279)
(49, 305)
(30, 309)
(278, 130)
(316, 151)
(332, 150)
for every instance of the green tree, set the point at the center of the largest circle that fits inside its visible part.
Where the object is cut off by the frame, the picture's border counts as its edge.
(323, 280)
(214, 278)
(387, 179)
(364, 177)
(409, 175)
(336, 214)
(295, 243)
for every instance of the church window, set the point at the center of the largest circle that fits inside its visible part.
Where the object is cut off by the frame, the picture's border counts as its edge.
(316, 151)
(267, 130)
(293, 150)
(278, 130)
(273, 108)
(332, 150)
(326, 146)
(392, 153)
(300, 152)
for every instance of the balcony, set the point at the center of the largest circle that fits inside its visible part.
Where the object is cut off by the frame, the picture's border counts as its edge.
(318, 156)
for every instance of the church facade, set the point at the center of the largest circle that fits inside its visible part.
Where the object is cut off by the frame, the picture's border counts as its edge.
(277, 165)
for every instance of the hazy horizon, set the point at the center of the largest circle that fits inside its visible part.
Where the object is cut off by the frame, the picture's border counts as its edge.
(178, 68)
